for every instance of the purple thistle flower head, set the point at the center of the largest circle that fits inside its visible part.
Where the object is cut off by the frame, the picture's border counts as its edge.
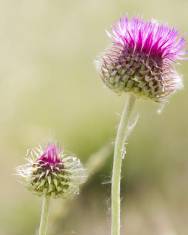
(141, 59)
(51, 172)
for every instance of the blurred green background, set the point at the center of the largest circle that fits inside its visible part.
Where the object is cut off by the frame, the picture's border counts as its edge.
(49, 88)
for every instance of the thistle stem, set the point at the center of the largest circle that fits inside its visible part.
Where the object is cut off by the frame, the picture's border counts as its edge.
(44, 216)
(119, 151)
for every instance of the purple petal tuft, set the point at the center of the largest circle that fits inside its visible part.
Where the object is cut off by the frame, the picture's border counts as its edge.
(51, 155)
(150, 38)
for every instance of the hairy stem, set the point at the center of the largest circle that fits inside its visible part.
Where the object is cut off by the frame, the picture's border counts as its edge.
(44, 216)
(119, 152)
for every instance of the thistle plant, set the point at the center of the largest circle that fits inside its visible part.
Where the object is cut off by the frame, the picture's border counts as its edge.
(51, 173)
(140, 62)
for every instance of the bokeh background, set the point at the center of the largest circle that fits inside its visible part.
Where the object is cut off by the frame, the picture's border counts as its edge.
(49, 89)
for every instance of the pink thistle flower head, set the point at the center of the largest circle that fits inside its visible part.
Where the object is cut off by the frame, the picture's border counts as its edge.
(51, 172)
(141, 59)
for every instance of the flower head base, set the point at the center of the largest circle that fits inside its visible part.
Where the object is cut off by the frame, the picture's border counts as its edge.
(141, 59)
(52, 173)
